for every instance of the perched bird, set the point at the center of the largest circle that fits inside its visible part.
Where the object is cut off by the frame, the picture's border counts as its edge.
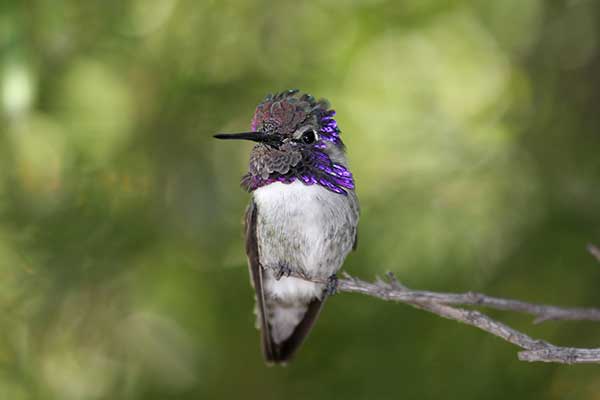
(302, 219)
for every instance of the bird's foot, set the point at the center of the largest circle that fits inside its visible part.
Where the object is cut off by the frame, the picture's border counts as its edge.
(331, 287)
(282, 270)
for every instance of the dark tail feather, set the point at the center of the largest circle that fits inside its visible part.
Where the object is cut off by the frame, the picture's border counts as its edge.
(283, 352)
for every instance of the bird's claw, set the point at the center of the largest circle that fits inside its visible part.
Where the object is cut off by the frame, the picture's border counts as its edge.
(282, 270)
(331, 287)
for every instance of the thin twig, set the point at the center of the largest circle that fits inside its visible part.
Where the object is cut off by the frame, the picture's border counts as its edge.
(542, 312)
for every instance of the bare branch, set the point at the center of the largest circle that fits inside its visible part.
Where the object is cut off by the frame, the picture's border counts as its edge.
(446, 305)
(403, 294)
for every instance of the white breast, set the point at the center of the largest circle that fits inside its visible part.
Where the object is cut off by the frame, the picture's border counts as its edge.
(297, 209)
(308, 228)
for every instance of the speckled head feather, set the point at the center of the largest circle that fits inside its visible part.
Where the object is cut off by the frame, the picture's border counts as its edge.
(287, 111)
(305, 144)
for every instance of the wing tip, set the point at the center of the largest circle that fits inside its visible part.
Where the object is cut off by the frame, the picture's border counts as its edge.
(277, 360)
(276, 354)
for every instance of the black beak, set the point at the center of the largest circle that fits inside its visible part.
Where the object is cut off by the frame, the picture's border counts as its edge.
(272, 140)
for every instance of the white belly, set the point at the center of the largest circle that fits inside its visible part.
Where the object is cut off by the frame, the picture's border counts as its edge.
(308, 228)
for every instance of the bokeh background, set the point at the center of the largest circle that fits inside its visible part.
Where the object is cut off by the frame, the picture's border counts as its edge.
(473, 132)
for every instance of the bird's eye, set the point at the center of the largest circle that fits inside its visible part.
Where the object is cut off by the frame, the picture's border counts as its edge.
(309, 136)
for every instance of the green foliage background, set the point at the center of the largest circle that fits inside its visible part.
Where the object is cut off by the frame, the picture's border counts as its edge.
(472, 128)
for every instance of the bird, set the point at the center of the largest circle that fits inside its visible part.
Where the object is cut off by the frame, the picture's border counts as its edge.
(302, 218)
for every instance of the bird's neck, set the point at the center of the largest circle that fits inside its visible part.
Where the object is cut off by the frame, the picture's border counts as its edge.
(317, 170)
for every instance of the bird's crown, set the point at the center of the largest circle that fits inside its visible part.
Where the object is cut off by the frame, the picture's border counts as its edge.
(285, 113)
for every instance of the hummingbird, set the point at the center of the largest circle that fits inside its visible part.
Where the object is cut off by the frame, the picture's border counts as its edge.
(302, 218)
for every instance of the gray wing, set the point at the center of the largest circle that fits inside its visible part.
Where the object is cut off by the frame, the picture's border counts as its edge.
(257, 278)
(357, 209)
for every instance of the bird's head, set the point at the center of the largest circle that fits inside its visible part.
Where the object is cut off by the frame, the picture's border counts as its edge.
(297, 139)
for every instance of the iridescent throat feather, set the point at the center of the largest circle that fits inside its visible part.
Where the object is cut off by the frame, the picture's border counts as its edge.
(287, 114)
